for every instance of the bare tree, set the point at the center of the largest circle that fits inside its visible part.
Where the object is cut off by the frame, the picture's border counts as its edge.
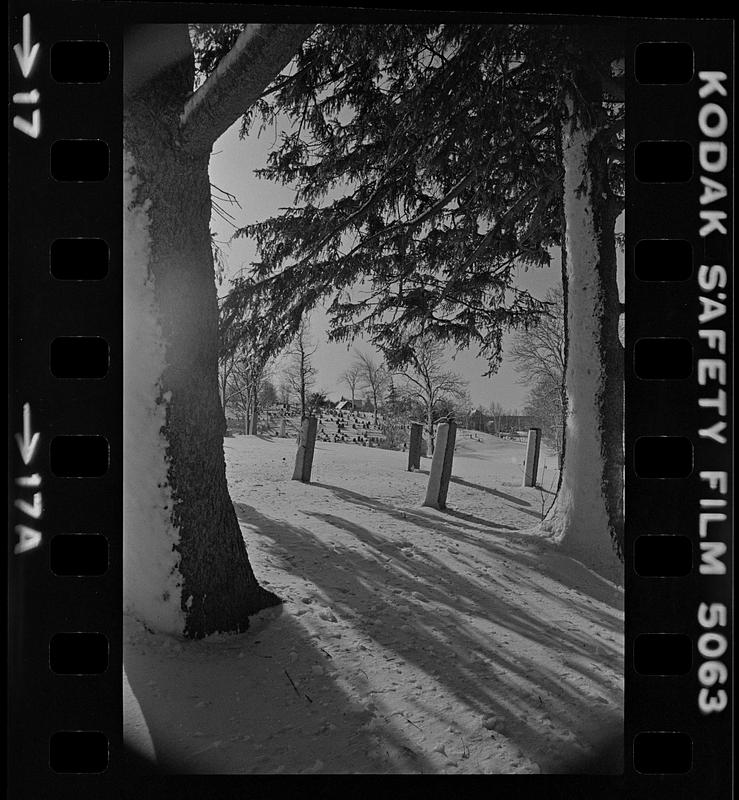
(539, 358)
(498, 412)
(244, 368)
(236, 394)
(300, 374)
(373, 376)
(430, 384)
(284, 392)
(246, 386)
(351, 378)
(539, 352)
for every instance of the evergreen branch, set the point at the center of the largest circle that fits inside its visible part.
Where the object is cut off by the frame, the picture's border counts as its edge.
(495, 230)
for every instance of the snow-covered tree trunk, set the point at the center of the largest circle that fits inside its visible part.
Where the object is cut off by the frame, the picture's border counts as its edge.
(586, 518)
(186, 569)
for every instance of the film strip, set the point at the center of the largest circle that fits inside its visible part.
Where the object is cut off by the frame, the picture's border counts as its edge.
(66, 385)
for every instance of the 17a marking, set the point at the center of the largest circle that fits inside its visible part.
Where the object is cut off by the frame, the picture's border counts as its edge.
(28, 537)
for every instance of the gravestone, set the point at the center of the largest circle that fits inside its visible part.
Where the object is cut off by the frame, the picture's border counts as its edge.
(306, 446)
(283, 428)
(441, 465)
(531, 465)
(414, 446)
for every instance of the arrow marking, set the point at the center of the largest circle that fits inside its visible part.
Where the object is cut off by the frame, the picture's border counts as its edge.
(26, 54)
(27, 443)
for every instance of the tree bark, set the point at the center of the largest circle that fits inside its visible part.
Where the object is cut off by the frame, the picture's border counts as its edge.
(302, 386)
(254, 428)
(586, 518)
(186, 562)
(430, 425)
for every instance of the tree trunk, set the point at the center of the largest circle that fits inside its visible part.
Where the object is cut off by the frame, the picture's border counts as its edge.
(254, 428)
(430, 426)
(186, 567)
(587, 515)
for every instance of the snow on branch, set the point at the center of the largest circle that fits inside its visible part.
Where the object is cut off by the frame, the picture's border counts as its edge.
(257, 57)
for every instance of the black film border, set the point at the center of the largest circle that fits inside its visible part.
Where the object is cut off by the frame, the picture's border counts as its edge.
(44, 604)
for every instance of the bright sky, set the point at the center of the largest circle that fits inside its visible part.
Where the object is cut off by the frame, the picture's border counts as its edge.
(232, 168)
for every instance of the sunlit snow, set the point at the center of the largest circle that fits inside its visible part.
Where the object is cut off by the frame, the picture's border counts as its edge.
(410, 640)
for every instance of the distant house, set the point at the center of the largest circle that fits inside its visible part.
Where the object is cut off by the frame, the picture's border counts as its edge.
(344, 405)
(511, 423)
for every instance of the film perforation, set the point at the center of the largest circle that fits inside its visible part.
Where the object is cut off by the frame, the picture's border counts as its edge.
(78, 555)
(79, 456)
(663, 457)
(80, 61)
(79, 259)
(78, 653)
(79, 160)
(663, 752)
(663, 555)
(79, 357)
(660, 260)
(663, 654)
(663, 63)
(664, 161)
(663, 358)
(78, 751)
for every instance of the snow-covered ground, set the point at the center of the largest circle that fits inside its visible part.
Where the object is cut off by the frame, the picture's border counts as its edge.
(410, 640)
